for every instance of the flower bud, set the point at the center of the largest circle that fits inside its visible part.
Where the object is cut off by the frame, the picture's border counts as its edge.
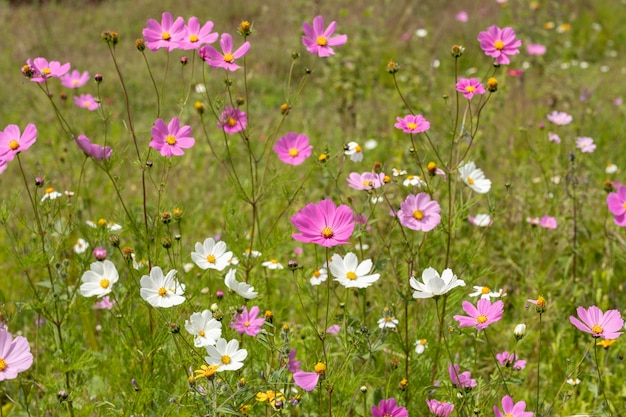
(39, 181)
(520, 331)
(492, 85)
(457, 51)
(140, 44)
(100, 253)
(245, 28)
(183, 60)
(97, 78)
(199, 107)
(392, 67)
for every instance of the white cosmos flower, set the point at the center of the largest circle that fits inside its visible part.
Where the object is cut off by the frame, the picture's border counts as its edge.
(354, 151)
(226, 355)
(319, 275)
(205, 329)
(480, 220)
(99, 279)
(611, 169)
(474, 178)
(50, 194)
(162, 291)
(420, 346)
(349, 273)
(434, 285)
(387, 322)
(241, 288)
(211, 255)
(485, 292)
(81, 246)
(414, 181)
(272, 264)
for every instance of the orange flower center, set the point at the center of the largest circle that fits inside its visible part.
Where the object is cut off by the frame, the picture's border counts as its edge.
(321, 41)
(293, 152)
(170, 139)
(358, 149)
(499, 45)
(317, 273)
(418, 214)
(162, 292)
(327, 232)
(231, 122)
(485, 290)
(229, 58)
(14, 144)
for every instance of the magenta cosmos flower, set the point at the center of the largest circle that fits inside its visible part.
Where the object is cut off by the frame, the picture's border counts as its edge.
(511, 409)
(86, 101)
(615, 201)
(482, 315)
(248, 322)
(324, 224)
(470, 87)
(460, 379)
(15, 356)
(499, 43)
(293, 148)
(439, 409)
(232, 120)
(171, 139)
(13, 142)
(41, 69)
(92, 149)
(226, 59)
(419, 212)
(511, 360)
(290, 361)
(167, 34)
(548, 222)
(194, 35)
(319, 40)
(598, 324)
(389, 408)
(75, 79)
(412, 123)
(308, 380)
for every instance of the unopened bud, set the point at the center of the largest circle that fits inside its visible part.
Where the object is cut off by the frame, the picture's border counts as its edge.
(520, 331)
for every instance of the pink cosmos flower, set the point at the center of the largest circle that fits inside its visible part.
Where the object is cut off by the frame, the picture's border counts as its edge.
(470, 87)
(105, 303)
(308, 380)
(166, 34)
(412, 123)
(14, 355)
(461, 17)
(439, 409)
(324, 224)
(553, 137)
(585, 144)
(290, 362)
(512, 410)
(389, 408)
(319, 40)
(548, 222)
(499, 43)
(559, 118)
(510, 360)
(460, 380)
(92, 149)
(333, 329)
(248, 322)
(75, 79)
(12, 142)
(616, 203)
(419, 212)
(535, 49)
(171, 139)
(293, 148)
(482, 315)
(598, 324)
(232, 120)
(42, 69)
(366, 180)
(226, 59)
(195, 36)
(86, 101)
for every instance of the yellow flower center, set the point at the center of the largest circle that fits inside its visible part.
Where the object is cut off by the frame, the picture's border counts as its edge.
(411, 125)
(470, 88)
(46, 71)
(293, 152)
(317, 273)
(104, 283)
(247, 324)
(418, 214)
(423, 342)
(201, 333)
(367, 183)
(210, 259)
(624, 205)
(231, 122)
(470, 180)
(193, 38)
(170, 139)
(351, 275)
(13, 144)
(162, 292)
(541, 302)
(327, 232)
(3, 365)
(320, 367)
(74, 82)
(49, 190)
(225, 359)
(323, 157)
(481, 319)
(102, 222)
(387, 415)
(229, 58)
(389, 319)
(499, 45)
(597, 329)
(509, 415)
(358, 149)
(274, 261)
(166, 36)
(321, 41)
(86, 103)
(485, 290)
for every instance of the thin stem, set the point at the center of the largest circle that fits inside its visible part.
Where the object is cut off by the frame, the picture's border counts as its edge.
(600, 379)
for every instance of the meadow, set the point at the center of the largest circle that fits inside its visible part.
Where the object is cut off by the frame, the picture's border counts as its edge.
(351, 208)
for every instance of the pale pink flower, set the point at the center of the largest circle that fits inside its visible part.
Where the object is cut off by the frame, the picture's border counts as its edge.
(548, 222)
(226, 59)
(171, 139)
(461, 17)
(553, 137)
(598, 324)
(366, 180)
(75, 79)
(585, 144)
(419, 212)
(559, 118)
(166, 34)
(293, 148)
(319, 40)
(535, 49)
(334, 329)
(499, 43)
(105, 303)
(15, 356)
(92, 149)
(87, 101)
(232, 120)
